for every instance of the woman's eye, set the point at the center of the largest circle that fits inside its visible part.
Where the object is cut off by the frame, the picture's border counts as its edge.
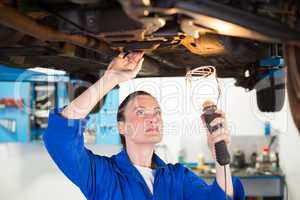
(140, 112)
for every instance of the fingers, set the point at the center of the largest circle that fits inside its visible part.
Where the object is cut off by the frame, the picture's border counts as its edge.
(219, 135)
(221, 121)
(218, 122)
(123, 54)
(125, 66)
(129, 61)
(138, 67)
(140, 64)
(131, 73)
(135, 57)
(223, 137)
(221, 113)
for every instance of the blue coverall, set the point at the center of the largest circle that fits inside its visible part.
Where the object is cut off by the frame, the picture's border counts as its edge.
(115, 178)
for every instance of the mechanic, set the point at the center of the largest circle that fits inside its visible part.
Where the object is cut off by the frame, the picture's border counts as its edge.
(136, 172)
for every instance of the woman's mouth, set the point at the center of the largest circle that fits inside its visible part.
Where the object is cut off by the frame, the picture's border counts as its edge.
(152, 129)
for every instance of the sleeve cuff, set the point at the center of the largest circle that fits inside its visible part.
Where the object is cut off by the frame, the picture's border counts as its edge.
(219, 193)
(58, 111)
(63, 127)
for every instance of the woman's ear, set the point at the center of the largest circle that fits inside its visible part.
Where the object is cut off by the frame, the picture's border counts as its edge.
(121, 127)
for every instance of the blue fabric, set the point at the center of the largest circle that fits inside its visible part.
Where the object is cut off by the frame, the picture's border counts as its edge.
(115, 178)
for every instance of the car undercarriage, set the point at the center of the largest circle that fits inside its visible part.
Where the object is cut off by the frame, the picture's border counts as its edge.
(82, 36)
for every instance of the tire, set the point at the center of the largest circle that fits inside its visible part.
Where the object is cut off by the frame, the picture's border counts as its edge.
(292, 60)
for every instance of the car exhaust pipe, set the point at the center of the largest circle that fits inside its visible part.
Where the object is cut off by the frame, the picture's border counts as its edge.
(232, 22)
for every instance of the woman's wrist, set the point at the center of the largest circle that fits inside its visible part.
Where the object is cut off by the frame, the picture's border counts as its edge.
(220, 176)
(218, 166)
(111, 78)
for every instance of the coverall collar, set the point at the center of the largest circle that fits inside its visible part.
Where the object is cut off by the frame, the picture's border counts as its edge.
(126, 167)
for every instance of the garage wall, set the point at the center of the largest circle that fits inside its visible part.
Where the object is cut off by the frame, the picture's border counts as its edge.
(28, 173)
(290, 159)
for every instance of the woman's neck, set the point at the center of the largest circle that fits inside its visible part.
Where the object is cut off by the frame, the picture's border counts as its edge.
(140, 155)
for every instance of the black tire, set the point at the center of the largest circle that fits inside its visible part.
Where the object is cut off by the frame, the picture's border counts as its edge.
(270, 92)
(292, 60)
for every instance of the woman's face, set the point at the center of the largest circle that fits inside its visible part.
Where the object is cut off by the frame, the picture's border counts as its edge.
(143, 121)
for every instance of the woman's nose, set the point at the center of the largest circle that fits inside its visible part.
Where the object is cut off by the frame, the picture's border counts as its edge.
(152, 117)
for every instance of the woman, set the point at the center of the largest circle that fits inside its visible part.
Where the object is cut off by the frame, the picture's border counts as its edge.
(136, 172)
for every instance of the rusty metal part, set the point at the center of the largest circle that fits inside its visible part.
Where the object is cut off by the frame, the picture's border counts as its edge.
(110, 25)
(146, 46)
(69, 50)
(152, 24)
(136, 2)
(204, 45)
(11, 18)
(247, 29)
(164, 61)
(226, 28)
(189, 27)
(134, 35)
(212, 24)
(37, 14)
(152, 67)
(230, 21)
(136, 10)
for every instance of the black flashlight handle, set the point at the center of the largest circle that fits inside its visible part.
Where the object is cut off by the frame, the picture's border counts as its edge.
(222, 154)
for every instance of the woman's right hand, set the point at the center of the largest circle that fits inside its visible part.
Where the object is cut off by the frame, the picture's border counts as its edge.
(123, 68)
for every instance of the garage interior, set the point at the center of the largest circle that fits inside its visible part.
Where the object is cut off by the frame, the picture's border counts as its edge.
(52, 51)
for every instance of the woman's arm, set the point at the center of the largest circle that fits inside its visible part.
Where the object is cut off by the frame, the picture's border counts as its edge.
(195, 188)
(63, 137)
(213, 138)
(120, 69)
(220, 177)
